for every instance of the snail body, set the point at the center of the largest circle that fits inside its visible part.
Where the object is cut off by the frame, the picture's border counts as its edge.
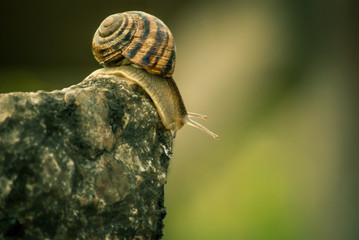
(140, 48)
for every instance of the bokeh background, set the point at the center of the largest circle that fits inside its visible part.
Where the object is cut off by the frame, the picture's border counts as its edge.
(278, 81)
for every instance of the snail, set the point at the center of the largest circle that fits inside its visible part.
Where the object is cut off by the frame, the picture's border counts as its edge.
(140, 47)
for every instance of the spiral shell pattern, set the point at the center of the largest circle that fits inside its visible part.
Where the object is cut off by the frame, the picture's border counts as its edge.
(139, 37)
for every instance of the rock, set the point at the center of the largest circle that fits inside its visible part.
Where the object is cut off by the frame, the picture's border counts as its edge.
(86, 162)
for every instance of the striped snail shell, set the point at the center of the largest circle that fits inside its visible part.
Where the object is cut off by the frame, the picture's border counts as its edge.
(138, 37)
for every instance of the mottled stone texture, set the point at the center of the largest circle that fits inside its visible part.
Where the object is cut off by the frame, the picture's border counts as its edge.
(87, 162)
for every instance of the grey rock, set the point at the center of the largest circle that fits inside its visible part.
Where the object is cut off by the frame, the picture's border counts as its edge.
(86, 162)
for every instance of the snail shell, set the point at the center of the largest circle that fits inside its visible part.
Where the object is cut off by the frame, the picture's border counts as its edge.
(138, 37)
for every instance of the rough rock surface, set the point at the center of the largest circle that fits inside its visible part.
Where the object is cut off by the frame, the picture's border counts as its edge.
(86, 162)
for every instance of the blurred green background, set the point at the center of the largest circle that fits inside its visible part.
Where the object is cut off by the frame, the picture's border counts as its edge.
(277, 79)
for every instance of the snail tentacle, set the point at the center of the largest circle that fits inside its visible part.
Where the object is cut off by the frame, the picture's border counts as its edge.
(199, 126)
